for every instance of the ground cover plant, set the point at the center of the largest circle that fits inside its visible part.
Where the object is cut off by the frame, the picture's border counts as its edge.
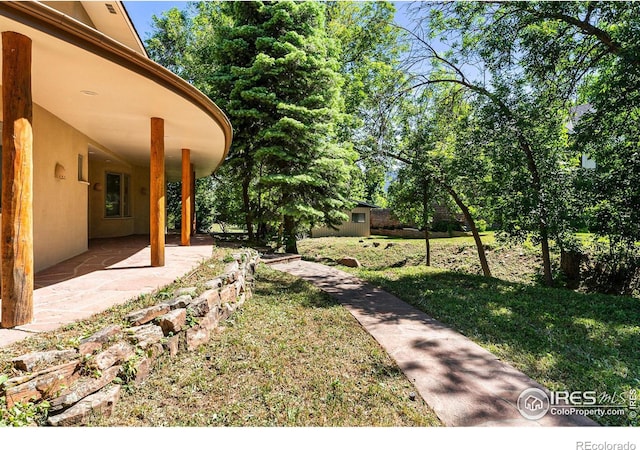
(290, 357)
(565, 340)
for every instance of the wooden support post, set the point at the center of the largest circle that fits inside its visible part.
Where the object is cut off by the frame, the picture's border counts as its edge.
(193, 201)
(16, 248)
(185, 236)
(157, 193)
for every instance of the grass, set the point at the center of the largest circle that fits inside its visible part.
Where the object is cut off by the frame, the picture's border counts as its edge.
(512, 263)
(290, 357)
(565, 340)
(216, 228)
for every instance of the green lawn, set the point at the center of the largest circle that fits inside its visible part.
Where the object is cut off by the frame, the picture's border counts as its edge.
(290, 357)
(563, 339)
(459, 254)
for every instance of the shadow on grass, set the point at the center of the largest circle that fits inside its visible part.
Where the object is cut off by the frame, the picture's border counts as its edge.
(473, 386)
(563, 339)
(273, 286)
(576, 341)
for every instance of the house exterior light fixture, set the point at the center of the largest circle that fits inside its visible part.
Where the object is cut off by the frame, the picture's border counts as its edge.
(60, 172)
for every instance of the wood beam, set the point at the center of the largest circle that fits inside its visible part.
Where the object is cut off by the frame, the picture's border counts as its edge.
(193, 200)
(16, 248)
(185, 235)
(157, 193)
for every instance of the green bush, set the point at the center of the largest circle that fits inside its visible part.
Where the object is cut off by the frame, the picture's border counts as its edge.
(446, 226)
(23, 414)
(481, 225)
(612, 273)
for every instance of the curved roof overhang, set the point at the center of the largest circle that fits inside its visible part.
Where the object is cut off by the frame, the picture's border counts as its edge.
(109, 92)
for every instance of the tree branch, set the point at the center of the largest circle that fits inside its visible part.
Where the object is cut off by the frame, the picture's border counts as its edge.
(590, 30)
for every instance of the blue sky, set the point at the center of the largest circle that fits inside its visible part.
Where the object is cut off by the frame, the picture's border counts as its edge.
(142, 11)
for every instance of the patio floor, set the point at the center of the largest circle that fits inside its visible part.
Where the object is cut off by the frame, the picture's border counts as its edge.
(110, 273)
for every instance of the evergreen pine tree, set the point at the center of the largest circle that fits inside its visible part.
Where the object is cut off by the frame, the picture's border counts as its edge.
(278, 76)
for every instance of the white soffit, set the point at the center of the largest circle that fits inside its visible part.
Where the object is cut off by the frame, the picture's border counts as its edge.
(66, 77)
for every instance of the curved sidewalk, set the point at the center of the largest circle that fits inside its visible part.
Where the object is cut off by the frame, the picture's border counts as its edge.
(462, 382)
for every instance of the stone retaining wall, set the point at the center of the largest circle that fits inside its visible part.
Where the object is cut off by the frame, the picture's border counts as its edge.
(80, 382)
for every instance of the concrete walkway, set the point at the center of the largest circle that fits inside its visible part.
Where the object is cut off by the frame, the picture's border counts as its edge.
(463, 383)
(112, 272)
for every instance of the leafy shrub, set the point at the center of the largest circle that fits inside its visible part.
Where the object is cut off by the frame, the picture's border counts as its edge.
(446, 226)
(23, 414)
(481, 225)
(612, 272)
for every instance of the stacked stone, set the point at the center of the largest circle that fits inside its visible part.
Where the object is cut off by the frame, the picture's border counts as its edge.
(80, 385)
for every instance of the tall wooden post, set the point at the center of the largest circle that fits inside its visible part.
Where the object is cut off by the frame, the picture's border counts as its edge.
(16, 247)
(157, 193)
(185, 235)
(193, 200)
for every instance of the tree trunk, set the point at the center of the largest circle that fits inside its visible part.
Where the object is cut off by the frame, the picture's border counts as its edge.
(570, 262)
(427, 255)
(531, 165)
(247, 206)
(291, 245)
(474, 230)
(467, 215)
(425, 220)
(544, 231)
(546, 257)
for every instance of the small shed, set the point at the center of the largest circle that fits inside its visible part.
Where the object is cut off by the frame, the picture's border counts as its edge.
(358, 225)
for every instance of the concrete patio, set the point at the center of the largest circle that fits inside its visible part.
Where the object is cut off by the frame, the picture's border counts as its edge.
(110, 273)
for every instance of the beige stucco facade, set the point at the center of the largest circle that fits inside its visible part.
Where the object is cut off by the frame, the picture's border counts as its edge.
(351, 227)
(94, 93)
(69, 211)
(138, 220)
(59, 205)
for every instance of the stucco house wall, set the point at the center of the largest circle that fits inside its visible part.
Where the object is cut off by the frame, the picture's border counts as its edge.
(140, 186)
(348, 228)
(68, 212)
(138, 220)
(59, 205)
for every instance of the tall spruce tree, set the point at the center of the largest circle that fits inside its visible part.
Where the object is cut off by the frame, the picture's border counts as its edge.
(276, 75)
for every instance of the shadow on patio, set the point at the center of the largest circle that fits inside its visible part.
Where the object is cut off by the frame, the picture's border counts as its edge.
(112, 272)
(109, 254)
